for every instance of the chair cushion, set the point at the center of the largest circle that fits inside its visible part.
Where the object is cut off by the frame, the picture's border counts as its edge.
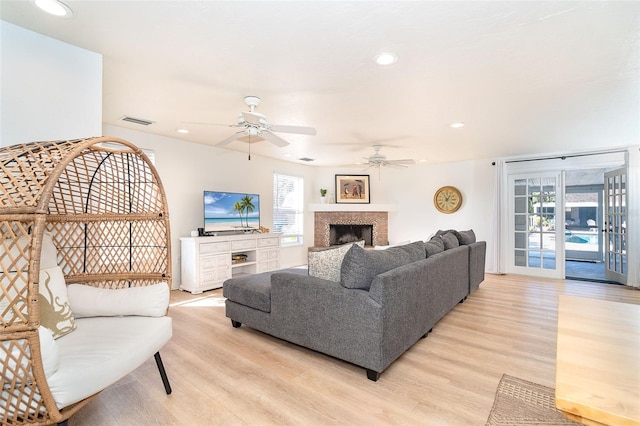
(361, 266)
(326, 263)
(89, 301)
(101, 351)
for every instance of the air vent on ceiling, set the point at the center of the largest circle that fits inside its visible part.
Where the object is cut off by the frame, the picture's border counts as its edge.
(134, 120)
(306, 159)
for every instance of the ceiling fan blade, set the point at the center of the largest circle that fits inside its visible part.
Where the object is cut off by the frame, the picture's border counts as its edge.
(230, 139)
(276, 140)
(396, 165)
(210, 124)
(400, 162)
(253, 117)
(300, 130)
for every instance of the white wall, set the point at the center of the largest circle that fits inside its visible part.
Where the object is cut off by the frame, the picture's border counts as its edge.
(65, 102)
(412, 189)
(187, 169)
(49, 90)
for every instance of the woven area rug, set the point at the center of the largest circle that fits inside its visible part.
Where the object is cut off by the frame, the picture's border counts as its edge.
(519, 402)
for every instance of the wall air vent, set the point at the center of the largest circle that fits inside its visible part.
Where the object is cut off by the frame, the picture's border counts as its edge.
(140, 121)
(306, 159)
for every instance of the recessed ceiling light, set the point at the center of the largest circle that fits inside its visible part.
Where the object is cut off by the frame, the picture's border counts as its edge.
(386, 58)
(54, 7)
(456, 125)
(182, 131)
(422, 161)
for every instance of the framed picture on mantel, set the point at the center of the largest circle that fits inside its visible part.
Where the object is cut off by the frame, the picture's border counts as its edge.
(352, 189)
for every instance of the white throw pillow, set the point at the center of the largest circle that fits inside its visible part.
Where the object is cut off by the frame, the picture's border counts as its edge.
(150, 301)
(48, 353)
(326, 264)
(48, 253)
(55, 311)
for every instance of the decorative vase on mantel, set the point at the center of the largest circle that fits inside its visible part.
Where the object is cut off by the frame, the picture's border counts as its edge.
(323, 196)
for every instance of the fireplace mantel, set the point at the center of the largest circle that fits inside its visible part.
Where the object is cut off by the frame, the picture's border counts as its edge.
(352, 207)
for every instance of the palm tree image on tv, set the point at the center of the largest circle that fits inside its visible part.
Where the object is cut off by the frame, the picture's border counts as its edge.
(247, 207)
(229, 211)
(239, 208)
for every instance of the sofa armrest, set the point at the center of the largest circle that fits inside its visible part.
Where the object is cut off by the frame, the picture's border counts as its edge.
(477, 256)
(327, 317)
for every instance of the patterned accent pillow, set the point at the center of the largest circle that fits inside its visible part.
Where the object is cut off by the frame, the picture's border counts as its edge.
(326, 263)
(55, 310)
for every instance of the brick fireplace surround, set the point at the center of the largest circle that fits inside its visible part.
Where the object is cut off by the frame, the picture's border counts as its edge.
(323, 219)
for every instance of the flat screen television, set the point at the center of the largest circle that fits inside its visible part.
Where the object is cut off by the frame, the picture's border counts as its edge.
(231, 211)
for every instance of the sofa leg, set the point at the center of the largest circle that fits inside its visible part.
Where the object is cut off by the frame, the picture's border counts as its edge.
(373, 375)
(163, 374)
(236, 324)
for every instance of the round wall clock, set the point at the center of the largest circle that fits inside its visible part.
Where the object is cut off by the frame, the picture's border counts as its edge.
(447, 199)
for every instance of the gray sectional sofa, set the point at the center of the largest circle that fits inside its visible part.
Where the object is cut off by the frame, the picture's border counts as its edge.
(384, 303)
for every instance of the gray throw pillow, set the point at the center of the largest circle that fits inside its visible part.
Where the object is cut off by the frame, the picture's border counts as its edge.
(361, 266)
(326, 263)
(434, 246)
(466, 237)
(450, 240)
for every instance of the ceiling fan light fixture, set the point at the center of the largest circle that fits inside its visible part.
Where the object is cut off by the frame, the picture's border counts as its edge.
(54, 7)
(386, 58)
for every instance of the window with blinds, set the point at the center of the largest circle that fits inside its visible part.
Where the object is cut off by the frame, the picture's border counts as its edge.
(288, 206)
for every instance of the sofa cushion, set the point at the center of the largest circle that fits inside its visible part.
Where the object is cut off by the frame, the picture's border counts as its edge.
(254, 290)
(55, 310)
(361, 266)
(450, 240)
(89, 301)
(434, 246)
(466, 237)
(326, 263)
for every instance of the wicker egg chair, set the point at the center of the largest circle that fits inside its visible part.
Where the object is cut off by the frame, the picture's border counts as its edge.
(102, 201)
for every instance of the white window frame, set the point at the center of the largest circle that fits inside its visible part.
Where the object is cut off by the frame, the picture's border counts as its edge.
(289, 238)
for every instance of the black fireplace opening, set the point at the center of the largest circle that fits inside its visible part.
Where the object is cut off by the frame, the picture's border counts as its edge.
(344, 234)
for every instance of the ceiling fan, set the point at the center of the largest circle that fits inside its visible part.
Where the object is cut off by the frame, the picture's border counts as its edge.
(380, 160)
(255, 127)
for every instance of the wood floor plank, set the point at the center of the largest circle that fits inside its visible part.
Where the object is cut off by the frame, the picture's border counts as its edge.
(226, 376)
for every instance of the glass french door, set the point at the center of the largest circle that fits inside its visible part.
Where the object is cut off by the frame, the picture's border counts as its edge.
(615, 226)
(534, 237)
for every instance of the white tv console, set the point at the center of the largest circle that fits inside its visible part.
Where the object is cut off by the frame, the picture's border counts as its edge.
(208, 261)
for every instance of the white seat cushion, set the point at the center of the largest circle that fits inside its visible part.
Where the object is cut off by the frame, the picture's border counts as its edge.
(101, 351)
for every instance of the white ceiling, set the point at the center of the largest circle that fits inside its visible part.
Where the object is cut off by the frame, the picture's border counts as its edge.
(526, 77)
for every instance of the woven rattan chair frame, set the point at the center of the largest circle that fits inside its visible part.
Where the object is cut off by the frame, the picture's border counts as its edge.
(105, 207)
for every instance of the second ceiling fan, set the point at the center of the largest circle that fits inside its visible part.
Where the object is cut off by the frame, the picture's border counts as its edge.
(380, 160)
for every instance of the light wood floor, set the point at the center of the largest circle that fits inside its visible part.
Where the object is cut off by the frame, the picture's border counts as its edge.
(221, 375)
